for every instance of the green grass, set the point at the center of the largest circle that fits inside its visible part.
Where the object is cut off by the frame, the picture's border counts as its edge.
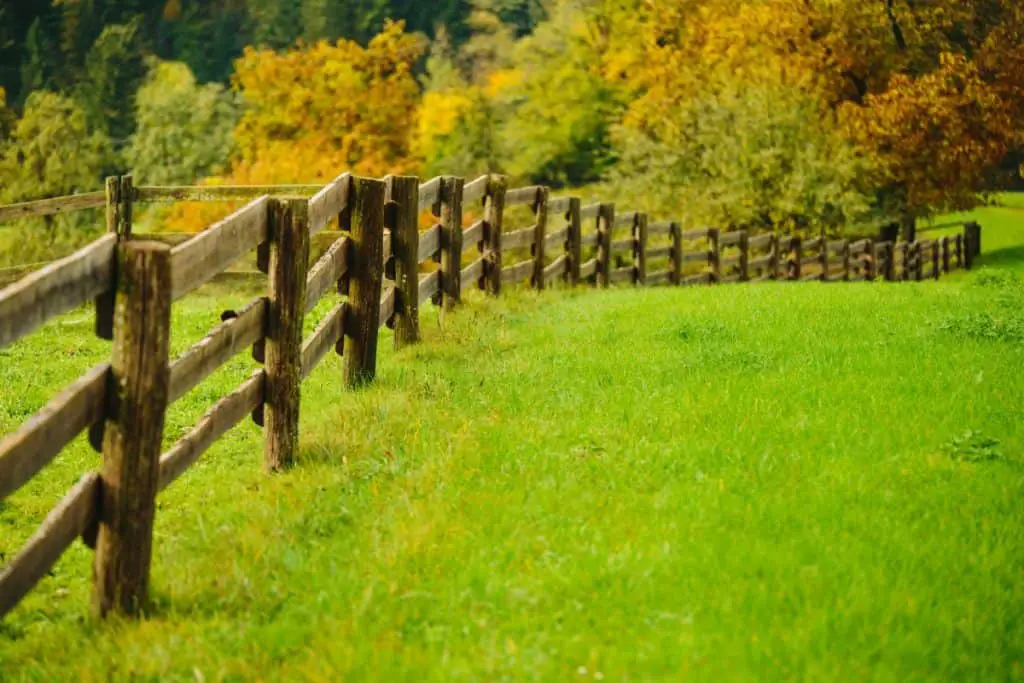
(753, 482)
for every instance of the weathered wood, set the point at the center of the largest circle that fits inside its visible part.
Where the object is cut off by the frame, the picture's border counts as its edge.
(556, 267)
(474, 271)
(761, 262)
(289, 260)
(451, 241)
(590, 212)
(403, 192)
(936, 270)
(972, 243)
(776, 264)
(216, 422)
(837, 246)
(659, 277)
(559, 205)
(714, 255)
(591, 239)
(494, 213)
(944, 245)
(134, 429)
(222, 193)
(120, 194)
(52, 207)
(75, 514)
(365, 280)
(659, 228)
(760, 241)
(605, 227)
(37, 441)
(623, 274)
(823, 254)
(659, 252)
(327, 336)
(845, 253)
(475, 190)
(556, 238)
(238, 332)
(697, 234)
(730, 260)
(387, 306)
(574, 241)
(676, 254)
(327, 272)
(588, 268)
(329, 203)
(626, 219)
(813, 244)
(960, 262)
(730, 239)
(58, 288)
(624, 244)
(430, 244)
(518, 272)
(197, 261)
(521, 196)
(518, 239)
(472, 237)
(430, 194)
(640, 248)
(696, 257)
(796, 260)
(430, 285)
(540, 212)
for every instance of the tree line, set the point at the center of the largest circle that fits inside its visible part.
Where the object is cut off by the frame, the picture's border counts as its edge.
(787, 114)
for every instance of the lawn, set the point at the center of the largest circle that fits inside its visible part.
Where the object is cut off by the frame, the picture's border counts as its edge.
(771, 481)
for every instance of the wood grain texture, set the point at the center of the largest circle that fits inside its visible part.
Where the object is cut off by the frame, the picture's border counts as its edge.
(387, 306)
(522, 196)
(134, 429)
(328, 272)
(472, 237)
(590, 212)
(517, 272)
(58, 288)
(605, 226)
(557, 238)
(430, 194)
(559, 206)
(540, 214)
(574, 241)
(450, 219)
(474, 271)
(239, 332)
(329, 202)
(52, 207)
(327, 336)
(430, 244)
(588, 269)
(221, 193)
(624, 244)
(197, 261)
(640, 248)
(216, 422)
(403, 193)
(289, 261)
(494, 218)
(76, 513)
(430, 285)
(518, 239)
(557, 268)
(365, 280)
(41, 438)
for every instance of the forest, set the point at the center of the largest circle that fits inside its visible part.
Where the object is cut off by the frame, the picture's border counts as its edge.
(814, 115)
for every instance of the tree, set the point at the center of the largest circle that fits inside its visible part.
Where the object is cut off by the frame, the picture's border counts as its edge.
(184, 130)
(114, 70)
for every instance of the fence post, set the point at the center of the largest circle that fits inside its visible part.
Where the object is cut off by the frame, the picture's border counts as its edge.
(605, 225)
(640, 249)
(846, 260)
(773, 265)
(744, 245)
(451, 242)
(366, 274)
(288, 264)
(890, 261)
(494, 210)
(972, 243)
(134, 429)
(676, 232)
(715, 255)
(574, 245)
(918, 261)
(945, 254)
(402, 196)
(936, 270)
(540, 210)
(959, 248)
(823, 259)
(120, 196)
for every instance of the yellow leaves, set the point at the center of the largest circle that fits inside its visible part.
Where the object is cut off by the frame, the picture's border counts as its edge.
(501, 81)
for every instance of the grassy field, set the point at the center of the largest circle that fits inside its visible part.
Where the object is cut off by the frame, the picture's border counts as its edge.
(752, 482)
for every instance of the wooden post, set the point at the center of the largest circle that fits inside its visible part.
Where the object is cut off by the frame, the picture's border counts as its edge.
(540, 211)
(846, 260)
(366, 275)
(120, 196)
(796, 249)
(936, 268)
(823, 257)
(574, 245)
(903, 249)
(715, 255)
(494, 210)
(744, 245)
(451, 241)
(640, 249)
(944, 242)
(918, 261)
(134, 429)
(288, 265)
(676, 232)
(402, 195)
(959, 251)
(890, 262)
(775, 265)
(972, 243)
(605, 224)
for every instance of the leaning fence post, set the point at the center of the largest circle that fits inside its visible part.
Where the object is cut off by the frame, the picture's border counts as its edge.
(605, 225)
(134, 429)
(366, 274)
(640, 249)
(451, 241)
(574, 245)
(494, 210)
(715, 255)
(676, 232)
(744, 245)
(540, 211)
(402, 195)
(288, 265)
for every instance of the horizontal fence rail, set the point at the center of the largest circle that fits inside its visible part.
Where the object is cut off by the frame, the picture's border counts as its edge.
(380, 270)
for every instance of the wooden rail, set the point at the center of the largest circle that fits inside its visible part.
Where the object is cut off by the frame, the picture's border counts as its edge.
(374, 270)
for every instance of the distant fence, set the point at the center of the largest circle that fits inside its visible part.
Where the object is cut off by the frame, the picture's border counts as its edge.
(377, 266)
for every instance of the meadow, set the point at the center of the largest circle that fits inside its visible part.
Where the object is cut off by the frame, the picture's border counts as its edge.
(803, 481)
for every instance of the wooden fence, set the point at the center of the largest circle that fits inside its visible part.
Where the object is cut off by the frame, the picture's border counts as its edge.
(383, 267)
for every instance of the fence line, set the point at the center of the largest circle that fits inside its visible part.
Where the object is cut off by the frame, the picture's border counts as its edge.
(376, 266)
